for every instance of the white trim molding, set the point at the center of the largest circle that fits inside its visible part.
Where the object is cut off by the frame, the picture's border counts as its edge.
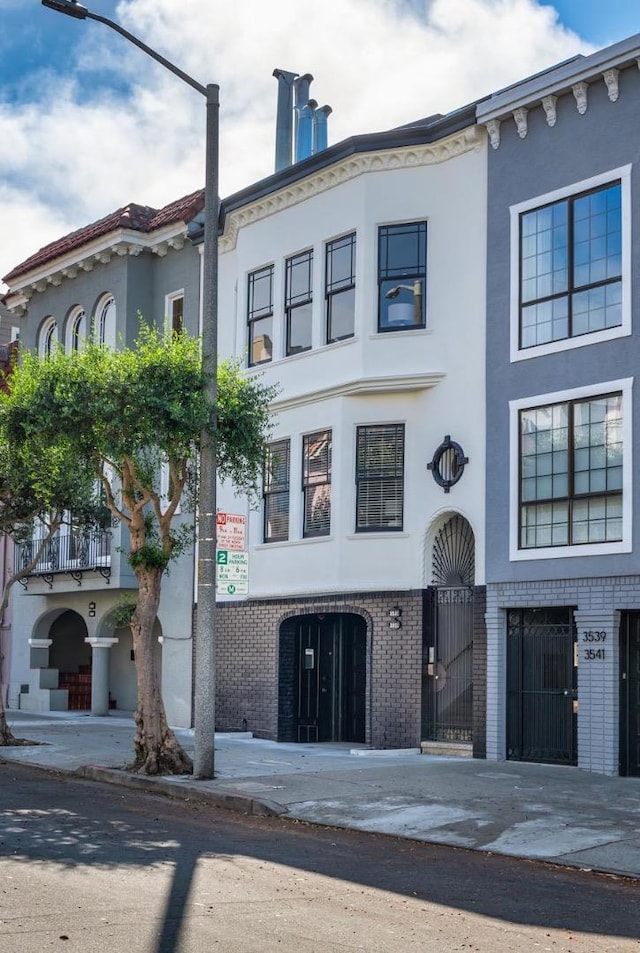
(470, 139)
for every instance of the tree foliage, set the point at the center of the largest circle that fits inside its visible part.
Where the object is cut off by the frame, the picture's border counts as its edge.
(127, 414)
(37, 492)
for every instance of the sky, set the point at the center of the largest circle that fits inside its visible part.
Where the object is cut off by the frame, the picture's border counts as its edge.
(88, 123)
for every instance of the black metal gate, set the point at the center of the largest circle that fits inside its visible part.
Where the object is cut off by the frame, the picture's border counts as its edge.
(541, 686)
(447, 681)
(630, 694)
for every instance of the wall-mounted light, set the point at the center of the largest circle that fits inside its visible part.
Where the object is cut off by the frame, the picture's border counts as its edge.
(92, 610)
(395, 613)
(395, 624)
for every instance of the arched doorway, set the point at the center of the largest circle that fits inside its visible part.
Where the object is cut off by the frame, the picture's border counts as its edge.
(322, 678)
(447, 649)
(71, 656)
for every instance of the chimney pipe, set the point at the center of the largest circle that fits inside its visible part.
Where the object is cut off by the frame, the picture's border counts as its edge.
(320, 139)
(304, 139)
(303, 119)
(284, 118)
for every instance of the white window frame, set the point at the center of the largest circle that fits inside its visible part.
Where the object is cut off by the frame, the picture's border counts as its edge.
(108, 338)
(77, 316)
(47, 337)
(624, 386)
(168, 308)
(607, 334)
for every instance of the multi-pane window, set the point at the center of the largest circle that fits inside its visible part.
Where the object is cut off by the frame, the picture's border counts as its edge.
(106, 321)
(402, 272)
(571, 473)
(260, 315)
(276, 492)
(340, 287)
(47, 337)
(571, 267)
(298, 301)
(316, 483)
(379, 477)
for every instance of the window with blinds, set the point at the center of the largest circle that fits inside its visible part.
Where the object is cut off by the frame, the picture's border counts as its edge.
(316, 483)
(379, 477)
(276, 492)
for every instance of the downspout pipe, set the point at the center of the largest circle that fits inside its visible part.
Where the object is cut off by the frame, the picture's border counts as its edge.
(284, 119)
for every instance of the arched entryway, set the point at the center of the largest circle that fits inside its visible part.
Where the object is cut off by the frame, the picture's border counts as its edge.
(322, 678)
(447, 670)
(70, 655)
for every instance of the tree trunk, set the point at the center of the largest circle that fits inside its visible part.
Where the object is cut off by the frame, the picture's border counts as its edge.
(157, 750)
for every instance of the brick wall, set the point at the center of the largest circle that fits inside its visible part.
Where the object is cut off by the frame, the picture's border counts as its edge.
(248, 659)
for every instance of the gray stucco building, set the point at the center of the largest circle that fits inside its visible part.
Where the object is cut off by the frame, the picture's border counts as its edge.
(563, 439)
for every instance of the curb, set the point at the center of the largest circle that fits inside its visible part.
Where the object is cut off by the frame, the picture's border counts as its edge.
(189, 791)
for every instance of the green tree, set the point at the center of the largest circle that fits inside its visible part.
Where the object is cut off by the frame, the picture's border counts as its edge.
(37, 493)
(127, 414)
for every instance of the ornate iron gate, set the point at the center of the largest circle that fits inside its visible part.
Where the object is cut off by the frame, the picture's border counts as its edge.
(447, 680)
(447, 698)
(541, 686)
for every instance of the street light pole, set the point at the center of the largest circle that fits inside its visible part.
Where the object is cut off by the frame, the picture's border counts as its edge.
(204, 706)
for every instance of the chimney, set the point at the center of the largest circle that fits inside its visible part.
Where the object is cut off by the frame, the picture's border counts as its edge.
(284, 118)
(301, 128)
(320, 117)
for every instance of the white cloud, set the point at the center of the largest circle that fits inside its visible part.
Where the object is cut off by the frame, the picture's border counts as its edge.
(67, 159)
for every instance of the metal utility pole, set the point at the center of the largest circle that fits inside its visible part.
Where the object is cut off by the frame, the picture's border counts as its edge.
(203, 765)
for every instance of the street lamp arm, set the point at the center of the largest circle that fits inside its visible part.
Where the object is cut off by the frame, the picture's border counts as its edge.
(73, 9)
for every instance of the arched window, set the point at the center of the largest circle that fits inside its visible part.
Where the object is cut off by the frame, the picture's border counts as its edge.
(48, 337)
(105, 330)
(76, 329)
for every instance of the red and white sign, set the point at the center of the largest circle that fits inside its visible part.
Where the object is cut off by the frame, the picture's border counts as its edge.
(231, 531)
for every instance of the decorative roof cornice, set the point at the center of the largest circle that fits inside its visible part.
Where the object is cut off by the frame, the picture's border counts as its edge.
(573, 76)
(118, 244)
(469, 139)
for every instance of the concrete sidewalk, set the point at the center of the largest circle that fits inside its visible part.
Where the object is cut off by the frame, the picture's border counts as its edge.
(557, 814)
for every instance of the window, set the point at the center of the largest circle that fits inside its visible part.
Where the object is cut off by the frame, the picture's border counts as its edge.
(340, 287)
(260, 315)
(379, 477)
(76, 323)
(276, 492)
(316, 483)
(571, 473)
(298, 303)
(105, 329)
(571, 267)
(174, 311)
(48, 337)
(402, 272)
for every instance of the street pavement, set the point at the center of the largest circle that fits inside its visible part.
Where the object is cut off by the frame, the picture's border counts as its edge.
(542, 812)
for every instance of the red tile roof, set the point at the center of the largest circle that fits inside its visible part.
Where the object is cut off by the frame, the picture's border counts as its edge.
(139, 218)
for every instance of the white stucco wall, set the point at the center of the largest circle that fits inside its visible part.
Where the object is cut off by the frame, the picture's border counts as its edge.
(431, 380)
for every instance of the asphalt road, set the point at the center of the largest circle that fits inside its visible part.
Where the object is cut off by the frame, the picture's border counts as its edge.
(87, 868)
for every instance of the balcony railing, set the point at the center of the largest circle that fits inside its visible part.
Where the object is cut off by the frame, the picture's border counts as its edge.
(69, 551)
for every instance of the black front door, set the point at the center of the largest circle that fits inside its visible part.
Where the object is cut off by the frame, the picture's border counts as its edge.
(630, 694)
(330, 653)
(541, 686)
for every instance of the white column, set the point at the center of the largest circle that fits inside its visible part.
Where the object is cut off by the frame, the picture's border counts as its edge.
(100, 674)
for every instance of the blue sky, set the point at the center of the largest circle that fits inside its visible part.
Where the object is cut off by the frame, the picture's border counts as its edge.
(88, 123)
